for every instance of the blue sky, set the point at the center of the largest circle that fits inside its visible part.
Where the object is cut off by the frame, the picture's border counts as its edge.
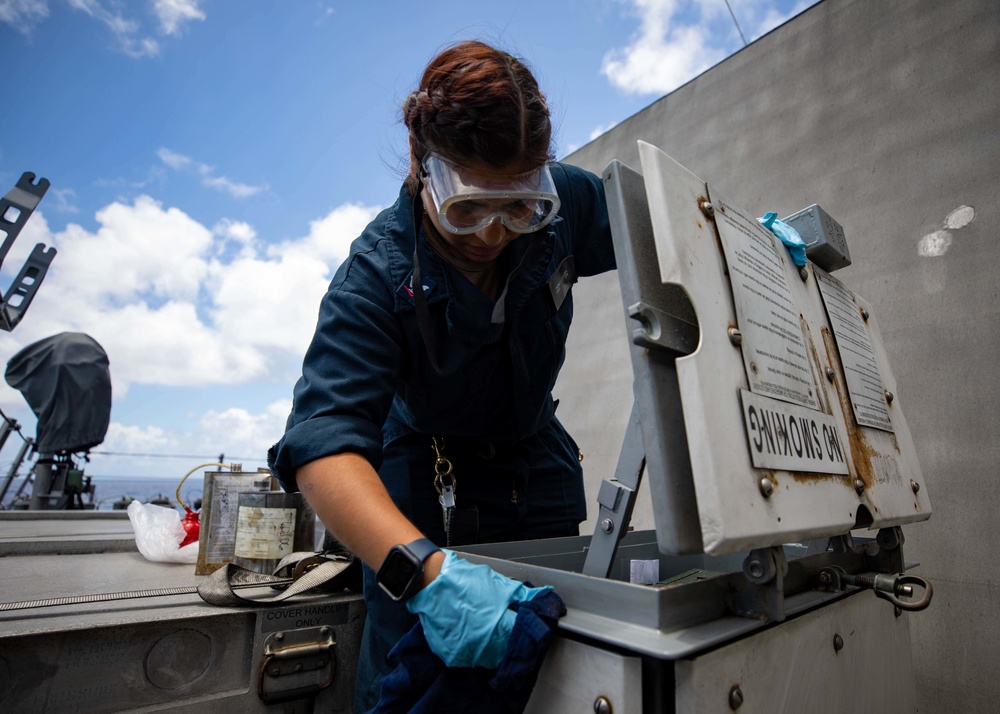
(211, 161)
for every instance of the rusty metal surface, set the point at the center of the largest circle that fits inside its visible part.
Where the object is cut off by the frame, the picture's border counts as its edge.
(734, 511)
(885, 114)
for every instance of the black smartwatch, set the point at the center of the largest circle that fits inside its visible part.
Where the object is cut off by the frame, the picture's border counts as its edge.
(403, 569)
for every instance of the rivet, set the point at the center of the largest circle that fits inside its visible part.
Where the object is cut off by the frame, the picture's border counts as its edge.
(914, 485)
(607, 525)
(299, 667)
(324, 630)
(897, 611)
(279, 636)
(753, 367)
(735, 697)
(735, 336)
(864, 314)
(766, 487)
(755, 568)
(889, 396)
(707, 208)
(602, 706)
(804, 274)
(275, 672)
(838, 643)
(830, 373)
(859, 486)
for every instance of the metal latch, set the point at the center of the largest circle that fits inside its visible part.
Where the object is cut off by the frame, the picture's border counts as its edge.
(297, 664)
(893, 588)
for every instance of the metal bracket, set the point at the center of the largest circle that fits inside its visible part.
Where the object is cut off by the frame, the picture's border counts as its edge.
(764, 596)
(662, 329)
(617, 499)
(883, 558)
(15, 209)
(888, 558)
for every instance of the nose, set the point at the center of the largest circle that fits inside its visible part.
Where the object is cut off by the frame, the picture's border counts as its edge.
(493, 234)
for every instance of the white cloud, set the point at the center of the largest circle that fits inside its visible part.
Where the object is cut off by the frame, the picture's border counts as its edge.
(126, 31)
(65, 200)
(679, 39)
(601, 129)
(23, 15)
(237, 230)
(664, 54)
(154, 288)
(240, 432)
(173, 159)
(234, 189)
(151, 439)
(139, 249)
(282, 290)
(180, 162)
(129, 33)
(762, 16)
(173, 13)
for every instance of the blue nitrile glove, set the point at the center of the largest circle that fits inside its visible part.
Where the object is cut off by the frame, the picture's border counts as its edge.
(464, 612)
(788, 235)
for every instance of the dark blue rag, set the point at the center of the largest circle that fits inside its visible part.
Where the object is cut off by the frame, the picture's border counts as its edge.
(421, 682)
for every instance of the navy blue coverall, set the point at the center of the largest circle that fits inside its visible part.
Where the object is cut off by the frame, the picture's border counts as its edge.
(368, 387)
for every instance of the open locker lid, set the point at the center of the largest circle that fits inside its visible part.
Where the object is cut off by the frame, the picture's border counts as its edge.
(777, 376)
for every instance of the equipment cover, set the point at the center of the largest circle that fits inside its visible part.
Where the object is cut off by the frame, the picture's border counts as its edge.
(66, 381)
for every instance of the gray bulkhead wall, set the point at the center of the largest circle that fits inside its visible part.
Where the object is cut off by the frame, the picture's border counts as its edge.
(887, 114)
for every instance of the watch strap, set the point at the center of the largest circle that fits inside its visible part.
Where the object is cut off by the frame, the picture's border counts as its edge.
(423, 548)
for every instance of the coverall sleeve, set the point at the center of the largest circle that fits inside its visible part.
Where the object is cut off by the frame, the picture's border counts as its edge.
(586, 205)
(349, 374)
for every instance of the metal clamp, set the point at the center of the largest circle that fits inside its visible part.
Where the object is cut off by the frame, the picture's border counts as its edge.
(888, 587)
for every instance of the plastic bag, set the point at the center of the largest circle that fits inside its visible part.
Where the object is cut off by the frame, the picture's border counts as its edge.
(159, 532)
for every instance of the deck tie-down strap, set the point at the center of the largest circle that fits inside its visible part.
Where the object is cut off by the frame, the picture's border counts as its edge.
(314, 570)
(296, 573)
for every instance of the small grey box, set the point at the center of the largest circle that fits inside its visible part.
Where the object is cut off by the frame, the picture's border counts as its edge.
(826, 245)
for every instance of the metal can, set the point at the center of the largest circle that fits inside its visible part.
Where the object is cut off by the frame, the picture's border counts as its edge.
(271, 525)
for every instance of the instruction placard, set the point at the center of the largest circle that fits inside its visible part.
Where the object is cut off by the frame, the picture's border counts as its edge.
(774, 351)
(864, 383)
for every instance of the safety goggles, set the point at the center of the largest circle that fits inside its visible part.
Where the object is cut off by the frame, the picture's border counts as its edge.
(467, 201)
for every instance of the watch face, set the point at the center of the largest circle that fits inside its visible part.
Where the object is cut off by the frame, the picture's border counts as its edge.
(396, 573)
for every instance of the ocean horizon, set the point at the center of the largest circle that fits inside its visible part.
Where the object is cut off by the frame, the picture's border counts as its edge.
(109, 489)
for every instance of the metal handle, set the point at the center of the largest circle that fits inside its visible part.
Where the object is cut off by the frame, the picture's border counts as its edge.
(900, 587)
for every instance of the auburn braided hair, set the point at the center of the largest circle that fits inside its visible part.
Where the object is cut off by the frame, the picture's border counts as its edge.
(478, 104)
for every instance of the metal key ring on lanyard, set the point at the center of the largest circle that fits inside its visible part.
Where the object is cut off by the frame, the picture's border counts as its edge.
(442, 468)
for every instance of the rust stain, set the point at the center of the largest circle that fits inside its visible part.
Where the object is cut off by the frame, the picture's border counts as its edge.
(819, 378)
(862, 452)
(813, 478)
(718, 239)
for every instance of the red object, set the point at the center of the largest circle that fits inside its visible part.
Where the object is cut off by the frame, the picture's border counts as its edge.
(192, 526)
